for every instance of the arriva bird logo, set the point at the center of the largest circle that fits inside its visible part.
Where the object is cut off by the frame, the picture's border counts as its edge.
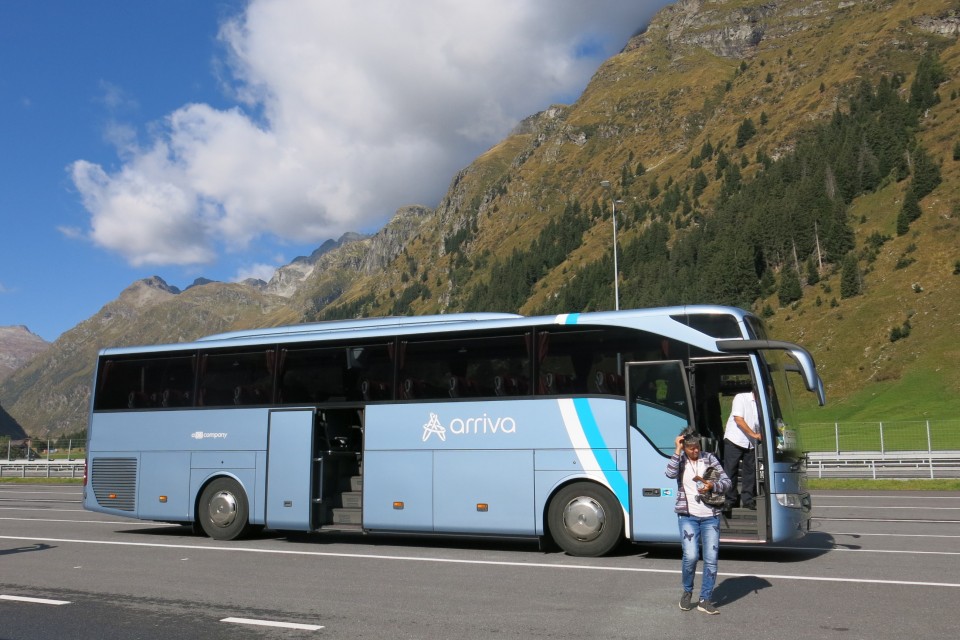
(434, 427)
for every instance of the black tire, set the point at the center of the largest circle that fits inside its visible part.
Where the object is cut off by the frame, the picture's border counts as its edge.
(585, 519)
(223, 511)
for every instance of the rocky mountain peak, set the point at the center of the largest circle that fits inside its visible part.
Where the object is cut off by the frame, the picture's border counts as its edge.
(287, 279)
(725, 32)
(147, 292)
(18, 345)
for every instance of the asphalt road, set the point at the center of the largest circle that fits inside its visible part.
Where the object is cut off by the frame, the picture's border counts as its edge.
(879, 565)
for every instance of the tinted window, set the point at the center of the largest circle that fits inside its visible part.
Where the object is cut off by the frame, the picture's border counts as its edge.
(236, 378)
(335, 374)
(715, 325)
(464, 367)
(142, 383)
(582, 359)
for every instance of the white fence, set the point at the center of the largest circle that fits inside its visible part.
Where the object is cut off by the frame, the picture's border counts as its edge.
(42, 469)
(876, 464)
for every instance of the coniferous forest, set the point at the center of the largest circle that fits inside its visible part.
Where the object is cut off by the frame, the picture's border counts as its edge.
(764, 232)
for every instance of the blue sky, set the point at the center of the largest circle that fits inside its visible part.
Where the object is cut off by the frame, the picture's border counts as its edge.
(223, 139)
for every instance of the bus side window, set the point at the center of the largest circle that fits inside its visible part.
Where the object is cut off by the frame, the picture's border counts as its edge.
(659, 406)
(235, 379)
(458, 366)
(163, 381)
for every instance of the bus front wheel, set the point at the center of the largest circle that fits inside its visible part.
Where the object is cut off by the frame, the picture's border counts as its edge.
(223, 511)
(585, 519)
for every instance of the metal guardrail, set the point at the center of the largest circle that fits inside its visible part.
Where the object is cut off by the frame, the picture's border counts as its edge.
(876, 464)
(42, 469)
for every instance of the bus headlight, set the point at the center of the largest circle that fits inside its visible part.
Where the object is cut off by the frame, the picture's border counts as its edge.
(790, 500)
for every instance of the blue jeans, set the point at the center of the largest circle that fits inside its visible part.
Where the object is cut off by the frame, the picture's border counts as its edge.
(693, 530)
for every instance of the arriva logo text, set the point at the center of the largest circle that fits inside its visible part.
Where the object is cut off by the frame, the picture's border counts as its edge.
(471, 426)
(200, 435)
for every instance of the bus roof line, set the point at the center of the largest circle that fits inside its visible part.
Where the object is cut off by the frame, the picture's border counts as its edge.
(332, 326)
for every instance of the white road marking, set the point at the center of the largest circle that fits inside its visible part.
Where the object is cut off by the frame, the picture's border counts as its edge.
(861, 506)
(273, 623)
(489, 563)
(866, 519)
(914, 497)
(32, 500)
(841, 547)
(138, 523)
(46, 493)
(34, 600)
(43, 510)
(896, 535)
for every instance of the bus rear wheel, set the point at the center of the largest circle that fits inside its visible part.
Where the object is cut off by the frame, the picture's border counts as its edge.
(585, 519)
(223, 511)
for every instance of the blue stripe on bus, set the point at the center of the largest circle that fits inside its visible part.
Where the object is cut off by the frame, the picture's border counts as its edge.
(605, 457)
(572, 318)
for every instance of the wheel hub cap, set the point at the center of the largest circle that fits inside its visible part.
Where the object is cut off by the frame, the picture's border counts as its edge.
(584, 518)
(223, 509)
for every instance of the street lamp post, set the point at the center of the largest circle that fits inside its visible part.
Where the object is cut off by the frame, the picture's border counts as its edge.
(616, 272)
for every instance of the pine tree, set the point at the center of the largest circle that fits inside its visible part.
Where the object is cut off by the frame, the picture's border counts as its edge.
(930, 74)
(850, 277)
(746, 131)
(699, 184)
(790, 287)
(706, 151)
(813, 273)
(903, 223)
(722, 162)
(654, 190)
(911, 208)
(767, 283)
(926, 173)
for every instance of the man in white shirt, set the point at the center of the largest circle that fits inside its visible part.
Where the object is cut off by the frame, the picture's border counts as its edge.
(741, 434)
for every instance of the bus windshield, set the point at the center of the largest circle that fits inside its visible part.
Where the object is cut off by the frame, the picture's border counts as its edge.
(780, 401)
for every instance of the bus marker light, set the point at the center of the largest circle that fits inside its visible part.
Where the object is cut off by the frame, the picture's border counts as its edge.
(483, 507)
(398, 505)
(163, 499)
(112, 496)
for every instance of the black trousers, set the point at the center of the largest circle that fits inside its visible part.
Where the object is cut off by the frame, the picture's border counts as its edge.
(735, 458)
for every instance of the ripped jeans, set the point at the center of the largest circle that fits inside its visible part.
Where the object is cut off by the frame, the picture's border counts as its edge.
(693, 530)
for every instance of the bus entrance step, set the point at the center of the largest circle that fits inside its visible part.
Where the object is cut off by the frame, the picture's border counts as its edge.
(347, 516)
(352, 499)
(742, 531)
(340, 527)
(356, 483)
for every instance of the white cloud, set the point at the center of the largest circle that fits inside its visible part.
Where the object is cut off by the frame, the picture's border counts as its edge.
(257, 271)
(114, 98)
(346, 112)
(74, 233)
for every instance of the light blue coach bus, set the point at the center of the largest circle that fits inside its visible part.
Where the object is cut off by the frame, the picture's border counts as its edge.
(557, 427)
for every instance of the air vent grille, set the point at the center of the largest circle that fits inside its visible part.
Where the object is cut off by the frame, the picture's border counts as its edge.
(114, 482)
